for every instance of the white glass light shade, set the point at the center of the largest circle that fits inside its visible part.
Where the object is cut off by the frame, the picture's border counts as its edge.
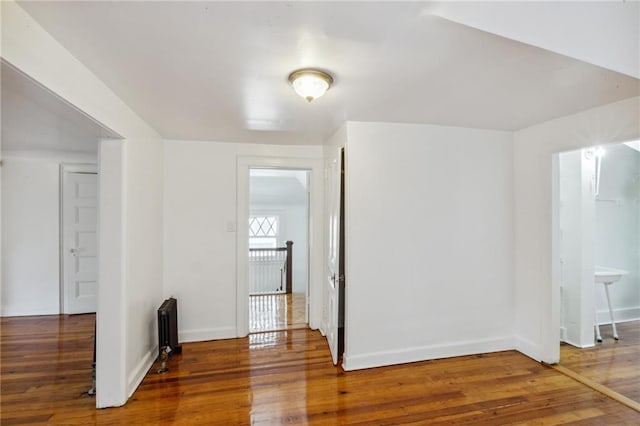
(310, 84)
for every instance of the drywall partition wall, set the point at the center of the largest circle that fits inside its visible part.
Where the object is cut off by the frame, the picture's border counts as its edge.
(429, 243)
(144, 254)
(297, 231)
(616, 231)
(112, 307)
(1, 204)
(576, 205)
(31, 236)
(200, 230)
(537, 304)
(131, 273)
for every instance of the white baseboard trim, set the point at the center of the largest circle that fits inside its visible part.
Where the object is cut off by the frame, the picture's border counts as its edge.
(528, 348)
(322, 329)
(577, 345)
(28, 310)
(621, 315)
(204, 334)
(138, 373)
(424, 353)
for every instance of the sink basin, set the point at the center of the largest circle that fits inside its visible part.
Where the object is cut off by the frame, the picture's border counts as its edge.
(608, 275)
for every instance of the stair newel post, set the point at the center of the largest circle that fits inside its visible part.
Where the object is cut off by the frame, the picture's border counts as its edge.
(289, 266)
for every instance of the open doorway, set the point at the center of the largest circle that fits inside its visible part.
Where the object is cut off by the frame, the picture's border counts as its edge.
(313, 167)
(42, 135)
(597, 263)
(278, 261)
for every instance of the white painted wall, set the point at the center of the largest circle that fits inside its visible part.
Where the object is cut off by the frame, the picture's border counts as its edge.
(130, 270)
(617, 230)
(577, 239)
(297, 232)
(429, 243)
(200, 255)
(31, 230)
(1, 214)
(144, 254)
(537, 303)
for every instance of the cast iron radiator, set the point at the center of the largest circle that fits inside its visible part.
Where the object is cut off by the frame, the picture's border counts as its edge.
(168, 327)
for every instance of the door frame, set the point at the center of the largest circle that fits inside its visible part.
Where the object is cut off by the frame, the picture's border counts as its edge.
(315, 236)
(342, 258)
(66, 168)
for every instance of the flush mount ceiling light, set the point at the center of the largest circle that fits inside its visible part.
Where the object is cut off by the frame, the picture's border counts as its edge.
(310, 83)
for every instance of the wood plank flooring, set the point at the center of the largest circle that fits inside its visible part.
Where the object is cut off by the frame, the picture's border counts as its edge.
(270, 312)
(284, 377)
(615, 364)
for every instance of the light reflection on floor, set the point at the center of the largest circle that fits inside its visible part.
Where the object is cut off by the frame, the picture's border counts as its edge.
(266, 339)
(270, 312)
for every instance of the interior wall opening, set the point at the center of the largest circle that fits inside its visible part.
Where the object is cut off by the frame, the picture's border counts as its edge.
(278, 261)
(596, 234)
(47, 143)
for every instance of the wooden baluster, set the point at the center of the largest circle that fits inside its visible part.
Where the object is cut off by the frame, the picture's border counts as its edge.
(262, 273)
(252, 272)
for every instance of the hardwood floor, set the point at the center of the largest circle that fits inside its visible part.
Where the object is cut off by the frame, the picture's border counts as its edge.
(615, 364)
(45, 368)
(270, 312)
(284, 377)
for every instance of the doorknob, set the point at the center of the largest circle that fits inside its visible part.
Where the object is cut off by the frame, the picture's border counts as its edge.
(74, 251)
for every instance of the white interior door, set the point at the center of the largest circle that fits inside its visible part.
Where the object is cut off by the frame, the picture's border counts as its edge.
(332, 279)
(79, 242)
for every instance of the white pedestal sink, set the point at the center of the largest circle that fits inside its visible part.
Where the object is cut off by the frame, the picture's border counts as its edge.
(607, 276)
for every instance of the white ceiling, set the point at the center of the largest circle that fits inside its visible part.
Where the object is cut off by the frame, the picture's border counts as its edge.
(218, 70)
(33, 118)
(604, 33)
